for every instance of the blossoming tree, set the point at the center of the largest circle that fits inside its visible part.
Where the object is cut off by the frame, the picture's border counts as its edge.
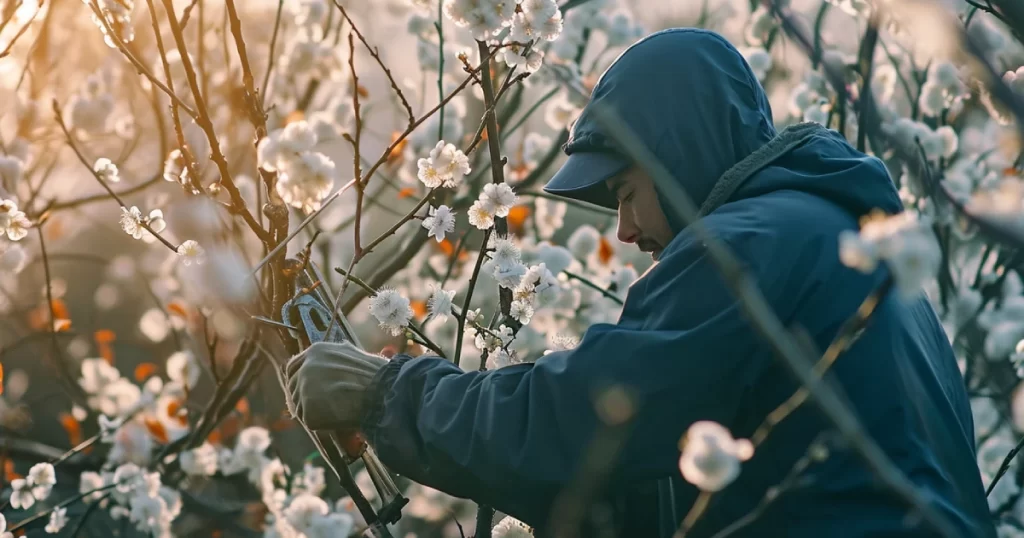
(167, 168)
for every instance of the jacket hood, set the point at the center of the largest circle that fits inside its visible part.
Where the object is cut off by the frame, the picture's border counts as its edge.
(696, 105)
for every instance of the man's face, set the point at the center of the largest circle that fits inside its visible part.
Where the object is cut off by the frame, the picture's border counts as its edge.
(641, 219)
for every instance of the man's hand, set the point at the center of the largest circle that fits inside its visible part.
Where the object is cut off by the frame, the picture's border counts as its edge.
(326, 383)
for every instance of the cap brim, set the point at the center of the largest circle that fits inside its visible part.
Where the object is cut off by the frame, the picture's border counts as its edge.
(583, 177)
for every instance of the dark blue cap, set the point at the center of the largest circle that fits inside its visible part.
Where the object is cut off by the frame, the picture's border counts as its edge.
(689, 96)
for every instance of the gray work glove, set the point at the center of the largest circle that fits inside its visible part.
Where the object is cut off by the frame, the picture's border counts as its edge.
(326, 384)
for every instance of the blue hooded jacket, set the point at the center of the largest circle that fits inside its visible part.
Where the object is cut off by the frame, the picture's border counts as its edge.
(515, 438)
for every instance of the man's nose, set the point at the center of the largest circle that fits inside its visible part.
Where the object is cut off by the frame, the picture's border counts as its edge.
(627, 231)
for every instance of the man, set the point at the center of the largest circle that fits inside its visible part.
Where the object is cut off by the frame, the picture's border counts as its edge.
(514, 438)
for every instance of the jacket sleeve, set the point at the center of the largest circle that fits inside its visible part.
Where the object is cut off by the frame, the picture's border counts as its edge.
(514, 437)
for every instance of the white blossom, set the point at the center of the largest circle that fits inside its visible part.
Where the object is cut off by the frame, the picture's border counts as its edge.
(711, 457)
(505, 251)
(303, 509)
(550, 216)
(584, 241)
(440, 304)
(521, 310)
(305, 179)
(498, 198)
(509, 275)
(12, 221)
(134, 223)
(191, 252)
(906, 243)
(58, 518)
(759, 60)
(128, 477)
(183, 368)
(441, 220)
(13, 258)
(483, 18)
(11, 169)
(200, 461)
(42, 479)
(149, 513)
(480, 215)
(392, 311)
(106, 170)
(492, 340)
(336, 525)
(21, 494)
(90, 481)
(445, 167)
(108, 428)
(510, 527)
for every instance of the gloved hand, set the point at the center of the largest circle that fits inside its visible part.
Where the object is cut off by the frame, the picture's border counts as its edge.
(326, 384)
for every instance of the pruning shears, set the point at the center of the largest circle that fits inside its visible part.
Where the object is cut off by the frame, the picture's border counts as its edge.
(308, 317)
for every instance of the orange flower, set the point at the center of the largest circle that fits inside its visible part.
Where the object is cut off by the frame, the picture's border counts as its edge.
(156, 429)
(517, 218)
(178, 309)
(406, 192)
(604, 251)
(144, 371)
(419, 308)
(396, 154)
(242, 406)
(72, 427)
(104, 336)
(174, 412)
(9, 472)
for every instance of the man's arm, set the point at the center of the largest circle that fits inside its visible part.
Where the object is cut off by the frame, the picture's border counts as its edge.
(513, 437)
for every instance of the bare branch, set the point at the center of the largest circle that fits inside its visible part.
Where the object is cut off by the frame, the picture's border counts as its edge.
(376, 56)
(139, 66)
(85, 162)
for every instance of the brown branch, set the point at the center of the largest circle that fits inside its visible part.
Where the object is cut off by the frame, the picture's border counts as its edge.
(356, 159)
(139, 66)
(466, 303)
(497, 168)
(58, 357)
(78, 202)
(252, 100)
(204, 121)
(186, 152)
(376, 56)
(85, 162)
(270, 53)
(21, 30)
(383, 158)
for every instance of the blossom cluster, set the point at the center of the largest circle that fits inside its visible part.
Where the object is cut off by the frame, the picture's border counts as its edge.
(304, 176)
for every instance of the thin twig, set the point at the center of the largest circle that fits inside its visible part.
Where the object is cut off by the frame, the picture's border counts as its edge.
(376, 56)
(58, 357)
(271, 54)
(845, 337)
(186, 152)
(383, 158)
(139, 66)
(204, 122)
(74, 147)
(469, 296)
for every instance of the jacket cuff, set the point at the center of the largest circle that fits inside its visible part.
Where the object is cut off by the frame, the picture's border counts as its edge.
(376, 392)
